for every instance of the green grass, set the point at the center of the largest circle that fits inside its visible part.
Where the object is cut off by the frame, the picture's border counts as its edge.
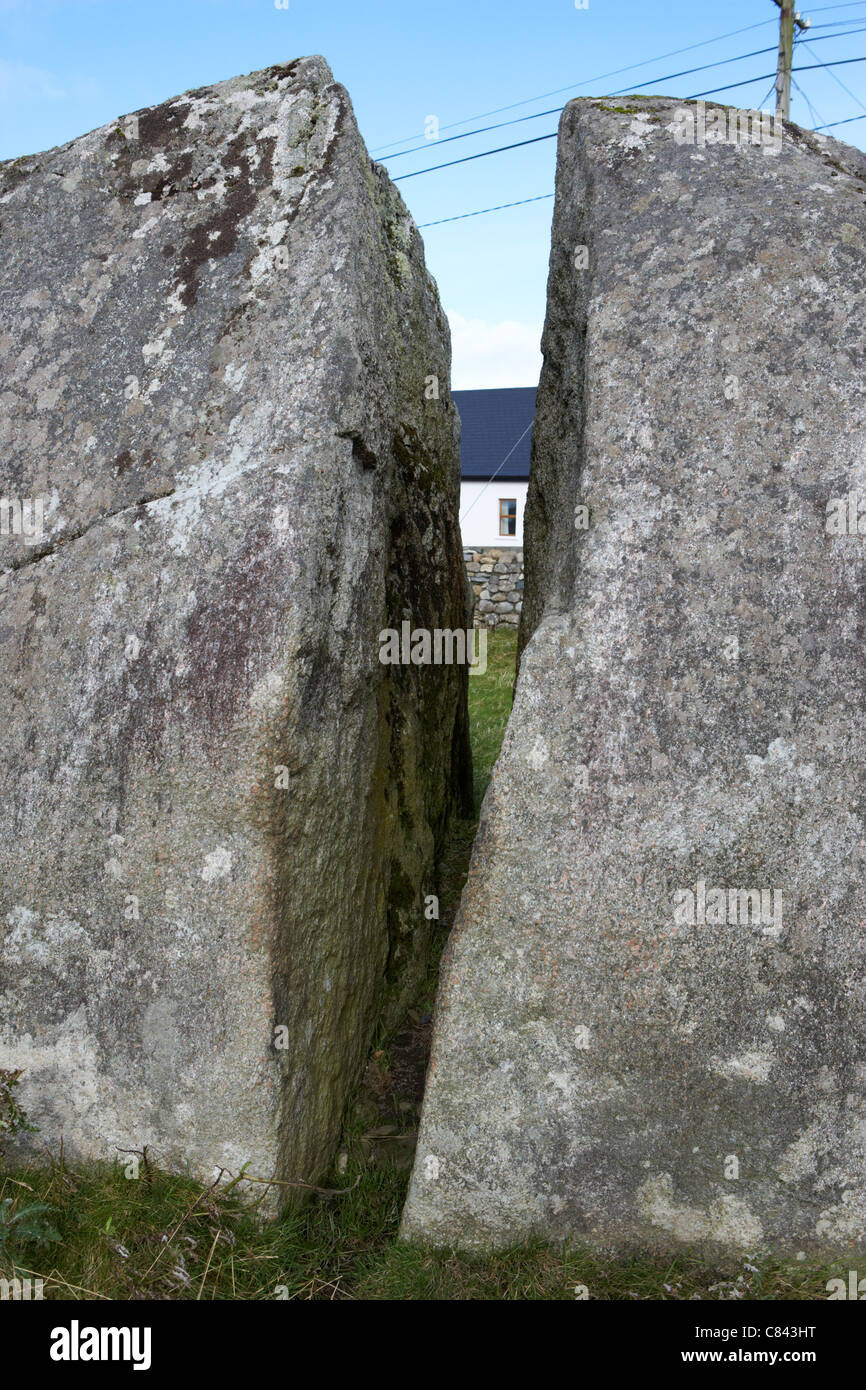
(490, 706)
(164, 1236)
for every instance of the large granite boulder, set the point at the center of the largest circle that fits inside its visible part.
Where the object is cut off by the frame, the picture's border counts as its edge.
(652, 1022)
(225, 468)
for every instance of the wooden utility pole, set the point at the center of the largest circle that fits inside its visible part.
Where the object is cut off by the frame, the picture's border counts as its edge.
(787, 19)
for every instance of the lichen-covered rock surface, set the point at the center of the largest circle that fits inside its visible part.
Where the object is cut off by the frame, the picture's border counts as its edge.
(221, 813)
(630, 1046)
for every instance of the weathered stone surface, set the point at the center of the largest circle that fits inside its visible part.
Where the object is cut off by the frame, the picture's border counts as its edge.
(221, 812)
(689, 709)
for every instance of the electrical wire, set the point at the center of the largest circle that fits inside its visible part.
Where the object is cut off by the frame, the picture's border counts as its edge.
(461, 217)
(498, 471)
(555, 110)
(668, 77)
(501, 149)
(704, 43)
(542, 96)
(806, 44)
(481, 155)
(769, 94)
(542, 196)
(522, 202)
(812, 67)
(831, 124)
(815, 114)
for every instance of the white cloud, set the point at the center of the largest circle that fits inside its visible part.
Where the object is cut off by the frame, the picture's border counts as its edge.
(493, 354)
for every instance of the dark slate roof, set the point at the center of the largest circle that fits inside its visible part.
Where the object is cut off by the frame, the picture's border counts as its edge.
(493, 423)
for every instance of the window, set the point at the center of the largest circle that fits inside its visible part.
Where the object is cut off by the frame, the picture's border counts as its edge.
(508, 516)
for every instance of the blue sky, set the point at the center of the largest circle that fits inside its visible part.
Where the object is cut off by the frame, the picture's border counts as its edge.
(67, 66)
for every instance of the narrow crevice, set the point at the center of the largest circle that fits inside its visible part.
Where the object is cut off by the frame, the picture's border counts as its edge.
(56, 543)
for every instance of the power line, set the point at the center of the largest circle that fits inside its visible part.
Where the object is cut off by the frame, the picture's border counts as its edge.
(499, 470)
(815, 114)
(765, 99)
(840, 82)
(729, 87)
(480, 130)
(668, 77)
(463, 215)
(811, 67)
(555, 110)
(831, 124)
(541, 96)
(552, 111)
(542, 196)
(659, 58)
(501, 149)
(481, 155)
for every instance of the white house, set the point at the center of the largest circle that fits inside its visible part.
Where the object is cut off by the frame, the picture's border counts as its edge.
(494, 460)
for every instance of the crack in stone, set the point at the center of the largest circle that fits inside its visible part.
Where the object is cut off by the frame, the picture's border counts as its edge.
(56, 543)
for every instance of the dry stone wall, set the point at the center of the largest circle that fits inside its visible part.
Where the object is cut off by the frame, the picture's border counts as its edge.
(496, 576)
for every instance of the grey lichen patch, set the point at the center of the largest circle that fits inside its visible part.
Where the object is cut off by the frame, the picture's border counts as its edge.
(726, 1222)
